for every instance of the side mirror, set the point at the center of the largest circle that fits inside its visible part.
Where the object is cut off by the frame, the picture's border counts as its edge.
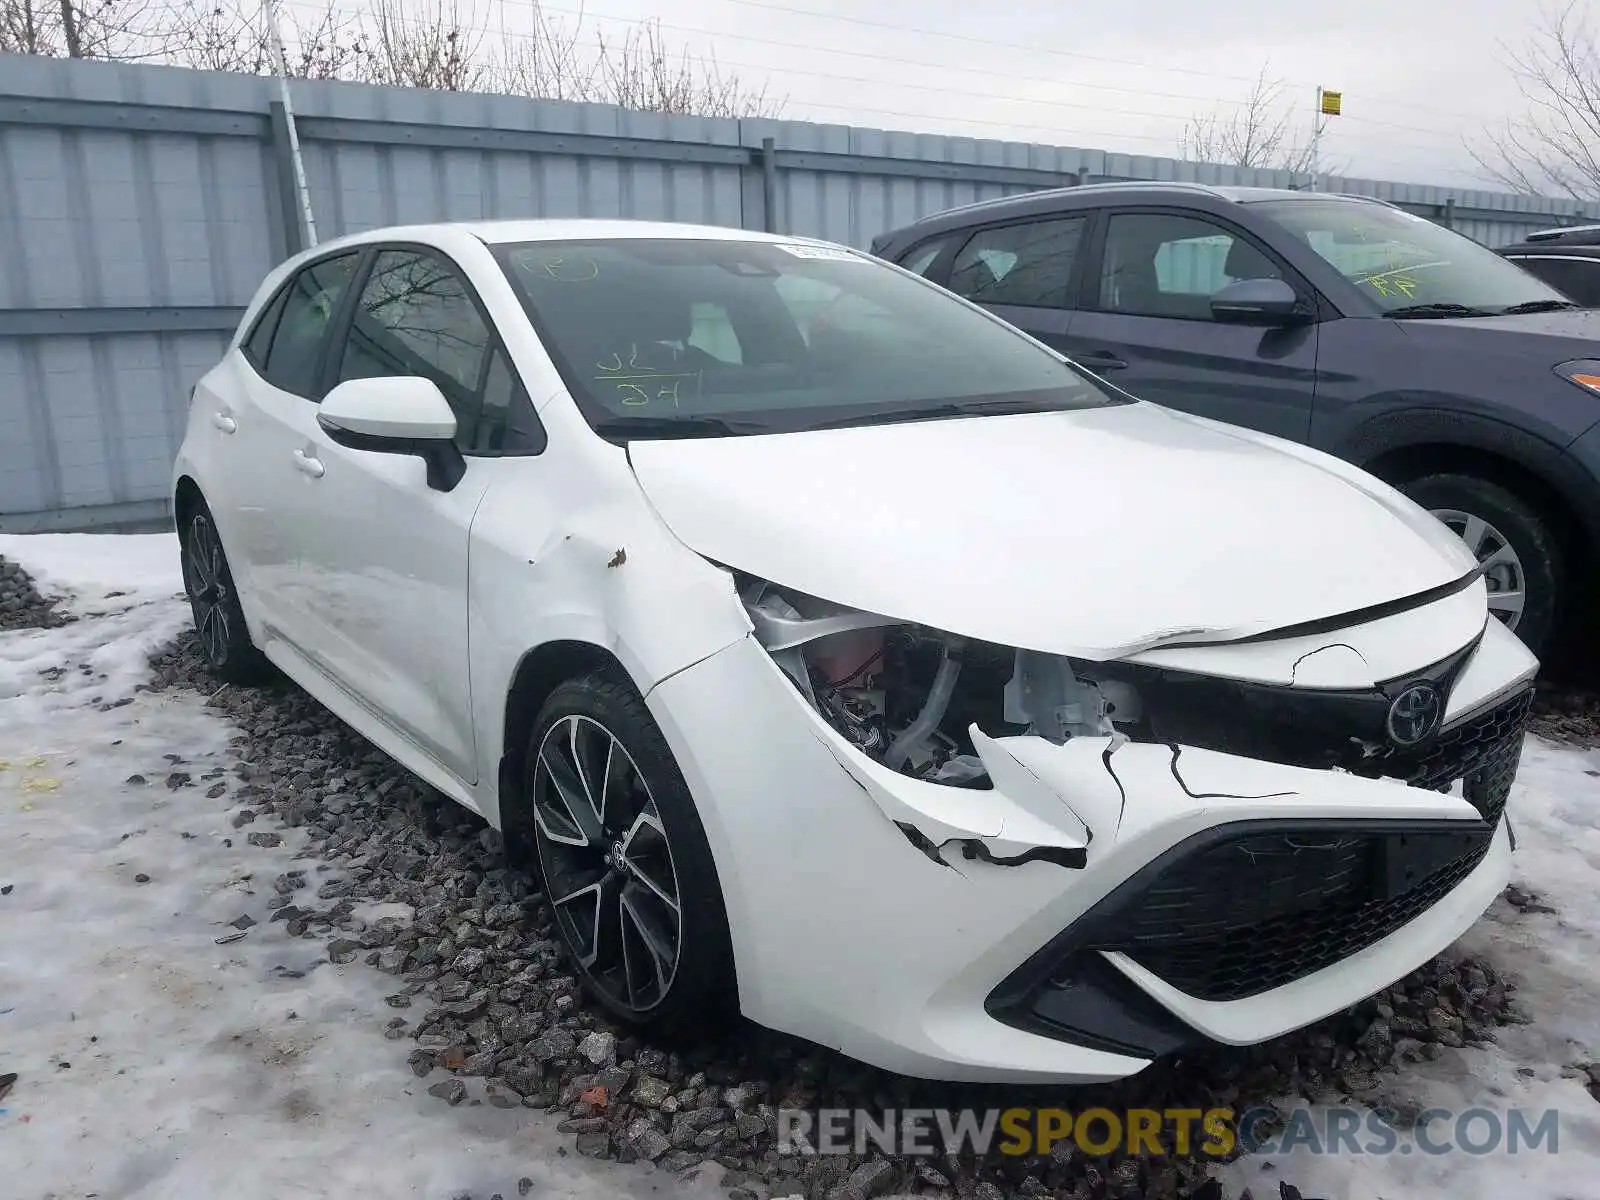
(1258, 302)
(402, 414)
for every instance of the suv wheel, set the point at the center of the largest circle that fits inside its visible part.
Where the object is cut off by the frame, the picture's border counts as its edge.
(626, 869)
(1519, 551)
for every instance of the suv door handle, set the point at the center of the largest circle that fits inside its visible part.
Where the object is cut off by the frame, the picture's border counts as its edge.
(308, 465)
(1102, 360)
(224, 422)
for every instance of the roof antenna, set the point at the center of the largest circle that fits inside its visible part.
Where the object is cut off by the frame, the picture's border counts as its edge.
(288, 113)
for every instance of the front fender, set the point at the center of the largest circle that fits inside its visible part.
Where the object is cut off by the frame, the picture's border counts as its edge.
(597, 567)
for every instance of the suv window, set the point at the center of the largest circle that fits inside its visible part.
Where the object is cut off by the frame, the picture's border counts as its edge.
(309, 304)
(922, 257)
(1405, 264)
(1578, 278)
(416, 316)
(1028, 265)
(1166, 265)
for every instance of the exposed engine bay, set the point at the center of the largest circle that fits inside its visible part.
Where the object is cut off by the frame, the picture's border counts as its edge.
(905, 695)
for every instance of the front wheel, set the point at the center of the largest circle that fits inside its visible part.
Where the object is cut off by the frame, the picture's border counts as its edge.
(1518, 550)
(626, 868)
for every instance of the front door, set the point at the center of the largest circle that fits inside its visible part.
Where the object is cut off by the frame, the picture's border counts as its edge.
(388, 578)
(1149, 326)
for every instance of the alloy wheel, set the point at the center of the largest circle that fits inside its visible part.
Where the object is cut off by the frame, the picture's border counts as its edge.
(608, 866)
(205, 580)
(1502, 567)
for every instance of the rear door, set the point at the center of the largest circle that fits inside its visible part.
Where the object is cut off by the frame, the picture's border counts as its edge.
(1022, 271)
(1145, 320)
(267, 419)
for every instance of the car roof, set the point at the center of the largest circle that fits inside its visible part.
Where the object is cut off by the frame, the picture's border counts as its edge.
(1129, 190)
(501, 232)
(1567, 237)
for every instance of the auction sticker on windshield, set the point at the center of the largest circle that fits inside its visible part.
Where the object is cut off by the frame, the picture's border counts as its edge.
(821, 253)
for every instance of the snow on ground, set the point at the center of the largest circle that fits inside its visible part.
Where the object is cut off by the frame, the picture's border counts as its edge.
(153, 1062)
(156, 1062)
(1555, 960)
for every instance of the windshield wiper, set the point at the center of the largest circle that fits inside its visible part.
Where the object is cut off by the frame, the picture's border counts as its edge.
(1437, 310)
(670, 427)
(937, 412)
(1537, 306)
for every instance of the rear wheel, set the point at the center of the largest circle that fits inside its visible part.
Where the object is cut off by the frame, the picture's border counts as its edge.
(623, 858)
(1512, 541)
(214, 601)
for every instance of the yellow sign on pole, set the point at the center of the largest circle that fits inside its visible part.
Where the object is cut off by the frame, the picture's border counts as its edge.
(1331, 102)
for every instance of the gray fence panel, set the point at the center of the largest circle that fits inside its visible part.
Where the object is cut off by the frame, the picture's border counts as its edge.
(140, 207)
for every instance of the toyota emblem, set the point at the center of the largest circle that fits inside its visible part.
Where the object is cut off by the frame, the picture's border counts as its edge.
(1414, 714)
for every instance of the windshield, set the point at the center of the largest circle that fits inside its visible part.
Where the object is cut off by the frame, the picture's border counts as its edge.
(1402, 261)
(687, 338)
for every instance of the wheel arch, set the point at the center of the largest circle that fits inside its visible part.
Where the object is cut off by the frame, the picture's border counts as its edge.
(1403, 446)
(539, 672)
(186, 497)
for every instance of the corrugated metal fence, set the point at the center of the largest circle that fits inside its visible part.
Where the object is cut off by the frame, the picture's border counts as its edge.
(140, 206)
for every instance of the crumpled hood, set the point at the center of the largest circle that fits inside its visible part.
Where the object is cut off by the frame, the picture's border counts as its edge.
(1094, 533)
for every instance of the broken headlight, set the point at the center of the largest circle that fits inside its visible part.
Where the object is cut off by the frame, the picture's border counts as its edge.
(906, 695)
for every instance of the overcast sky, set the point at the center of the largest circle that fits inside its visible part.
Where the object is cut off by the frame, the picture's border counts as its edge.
(1420, 78)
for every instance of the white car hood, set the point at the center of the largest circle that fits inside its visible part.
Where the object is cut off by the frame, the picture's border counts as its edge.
(1094, 533)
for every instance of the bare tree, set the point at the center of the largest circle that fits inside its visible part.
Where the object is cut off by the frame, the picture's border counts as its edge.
(1258, 133)
(642, 72)
(329, 45)
(26, 28)
(403, 43)
(112, 29)
(430, 46)
(548, 63)
(1555, 146)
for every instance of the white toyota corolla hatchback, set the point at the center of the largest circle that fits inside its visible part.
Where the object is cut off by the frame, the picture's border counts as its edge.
(838, 655)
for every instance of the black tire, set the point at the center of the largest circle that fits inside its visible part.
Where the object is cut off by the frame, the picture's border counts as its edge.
(623, 871)
(1528, 534)
(218, 620)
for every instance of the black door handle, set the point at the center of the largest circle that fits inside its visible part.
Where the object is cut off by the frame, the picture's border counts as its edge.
(1102, 360)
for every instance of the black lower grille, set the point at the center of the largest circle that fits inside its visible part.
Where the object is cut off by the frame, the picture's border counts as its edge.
(1483, 752)
(1254, 912)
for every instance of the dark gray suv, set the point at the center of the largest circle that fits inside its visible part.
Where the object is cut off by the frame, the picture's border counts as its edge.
(1337, 321)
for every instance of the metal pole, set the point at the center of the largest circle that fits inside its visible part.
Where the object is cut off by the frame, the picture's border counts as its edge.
(769, 183)
(1316, 140)
(294, 133)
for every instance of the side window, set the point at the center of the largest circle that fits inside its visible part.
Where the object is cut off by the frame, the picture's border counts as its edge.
(923, 257)
(507, 423)
(1028, 265)
(309, 304)
(1160, 265)
(259, 343)
(415, 316)
(1577, 279)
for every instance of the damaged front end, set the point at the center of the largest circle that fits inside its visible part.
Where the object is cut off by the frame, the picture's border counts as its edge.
(969, 715)
(931, 705)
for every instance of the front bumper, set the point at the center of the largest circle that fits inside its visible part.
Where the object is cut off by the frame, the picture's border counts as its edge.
(1022, 933)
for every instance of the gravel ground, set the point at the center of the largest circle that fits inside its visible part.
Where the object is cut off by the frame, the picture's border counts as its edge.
(1568, 715)
(484, 1008)
(21, 605)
